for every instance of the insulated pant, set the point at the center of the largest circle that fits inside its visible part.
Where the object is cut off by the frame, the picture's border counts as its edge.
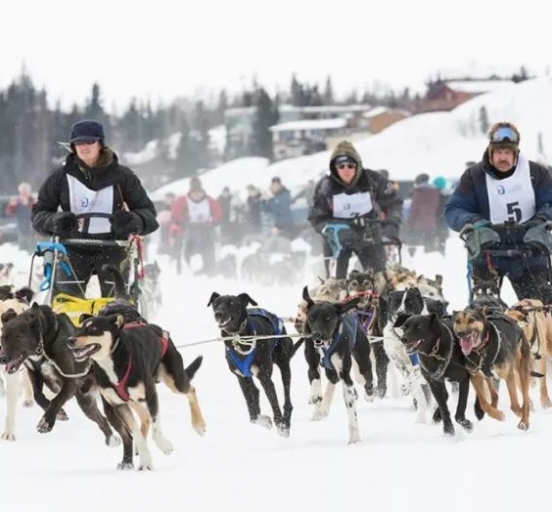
(85, 263)
(370, 257)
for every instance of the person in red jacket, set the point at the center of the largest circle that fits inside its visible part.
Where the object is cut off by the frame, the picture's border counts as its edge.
(195, 217)
(20, 207)
(422, 220)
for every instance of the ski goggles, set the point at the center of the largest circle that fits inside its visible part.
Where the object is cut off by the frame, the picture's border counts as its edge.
(504, 134)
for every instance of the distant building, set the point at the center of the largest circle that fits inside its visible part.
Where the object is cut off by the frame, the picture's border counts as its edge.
(445, 95)
(306, 130)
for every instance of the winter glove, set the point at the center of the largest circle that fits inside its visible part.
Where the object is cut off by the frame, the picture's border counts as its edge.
(537, 234)
(534, 222)
(479, 235)
(348, 237)
(126, 223)
(65, 224)
(390, 230)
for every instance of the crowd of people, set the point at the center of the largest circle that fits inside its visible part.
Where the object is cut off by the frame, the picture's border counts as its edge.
(350, 210)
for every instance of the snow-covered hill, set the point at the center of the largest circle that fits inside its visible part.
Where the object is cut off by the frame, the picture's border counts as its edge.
(437, 143)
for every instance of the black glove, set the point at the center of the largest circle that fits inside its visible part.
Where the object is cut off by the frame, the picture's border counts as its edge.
(65, 224)
(126, 223)
(390, 230)
(534, 222)
(348, 237)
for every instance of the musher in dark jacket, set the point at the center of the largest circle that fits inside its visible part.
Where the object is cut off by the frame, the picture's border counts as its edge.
(505, 201)
(347, 200)
(92, 181)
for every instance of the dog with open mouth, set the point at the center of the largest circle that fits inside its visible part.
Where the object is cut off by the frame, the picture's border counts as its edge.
(495, 346)
(37, 338)
(337, 342)
(128, 359)
(256, 358)
(409, 301)
(441, 360)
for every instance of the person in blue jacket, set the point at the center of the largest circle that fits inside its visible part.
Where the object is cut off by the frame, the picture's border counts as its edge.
(501, 204)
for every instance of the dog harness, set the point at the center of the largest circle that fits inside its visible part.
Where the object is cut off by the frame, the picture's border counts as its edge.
(244, 363)
(121, 386)
(348, 327)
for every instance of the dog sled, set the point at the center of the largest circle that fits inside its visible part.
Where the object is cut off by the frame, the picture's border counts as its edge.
(57, 269)
(507, 240)
(392, 247)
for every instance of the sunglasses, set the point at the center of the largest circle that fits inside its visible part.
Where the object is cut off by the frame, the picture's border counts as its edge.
(84, 142)
(505, 134)
(346, 166)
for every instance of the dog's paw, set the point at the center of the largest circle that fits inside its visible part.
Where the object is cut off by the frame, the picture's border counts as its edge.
(315, 392)
(113, 441)
(125, 465)
(546, 403)
(354, 436)
(200, 428)
(145, 466)
(320, 414)
(44, 425)
(315, 399)
(381, 391)
(8, 436)
(163, 444)
(369, 395)
(448, 428)
(467, 425)
(437, 416)
(28, 403)
(517, 411)
(283, 430)
(523, 426)
(263, 421)
(62, 415)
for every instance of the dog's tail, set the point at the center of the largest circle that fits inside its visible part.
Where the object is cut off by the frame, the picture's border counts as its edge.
(193, 367)
(24, 294)
(119, 282)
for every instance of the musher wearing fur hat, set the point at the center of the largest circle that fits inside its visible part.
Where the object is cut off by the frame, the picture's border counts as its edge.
(343, 205)
(501, 205)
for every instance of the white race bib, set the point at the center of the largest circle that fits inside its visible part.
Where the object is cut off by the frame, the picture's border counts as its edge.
(84, 200)
(200, 211)
(513, 198)
(346, 206)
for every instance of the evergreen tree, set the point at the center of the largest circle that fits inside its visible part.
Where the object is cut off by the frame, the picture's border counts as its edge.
(484, 124)
(266, 115)
(328, 96)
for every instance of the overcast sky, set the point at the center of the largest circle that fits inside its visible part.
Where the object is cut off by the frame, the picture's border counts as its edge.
(165, 48)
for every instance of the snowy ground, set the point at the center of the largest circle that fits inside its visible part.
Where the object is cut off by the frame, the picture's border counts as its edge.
(240, 466)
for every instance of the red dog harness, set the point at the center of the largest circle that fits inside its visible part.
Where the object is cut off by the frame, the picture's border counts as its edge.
(121, 386)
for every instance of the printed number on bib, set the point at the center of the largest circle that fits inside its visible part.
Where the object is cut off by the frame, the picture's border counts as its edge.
(514, 212)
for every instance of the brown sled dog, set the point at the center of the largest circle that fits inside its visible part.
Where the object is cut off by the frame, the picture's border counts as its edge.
(495, 346)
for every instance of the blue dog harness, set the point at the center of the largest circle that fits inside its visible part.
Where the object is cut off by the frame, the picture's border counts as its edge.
(348, 327)
(244, 362)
